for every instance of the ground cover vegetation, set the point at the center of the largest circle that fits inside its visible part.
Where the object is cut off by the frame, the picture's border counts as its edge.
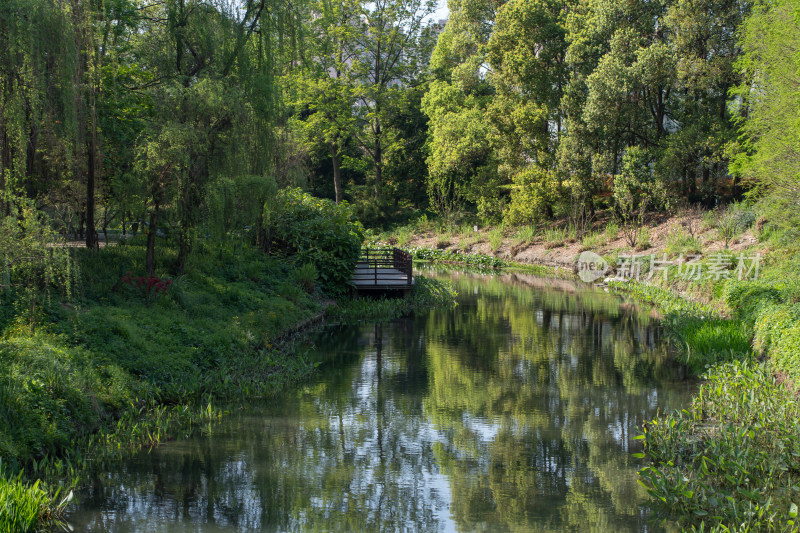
(227, 151)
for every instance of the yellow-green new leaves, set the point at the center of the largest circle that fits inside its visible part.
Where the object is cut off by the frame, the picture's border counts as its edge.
(769, 146)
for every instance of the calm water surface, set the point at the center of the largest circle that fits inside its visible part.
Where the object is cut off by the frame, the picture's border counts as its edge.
(514, 412)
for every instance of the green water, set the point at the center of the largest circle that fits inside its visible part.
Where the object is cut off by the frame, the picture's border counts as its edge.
(514, 412)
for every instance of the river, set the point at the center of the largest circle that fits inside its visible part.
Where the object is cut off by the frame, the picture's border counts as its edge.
(515, 411)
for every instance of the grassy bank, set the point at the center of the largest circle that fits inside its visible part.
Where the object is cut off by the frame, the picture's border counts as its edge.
(731, 460)
(124, 365)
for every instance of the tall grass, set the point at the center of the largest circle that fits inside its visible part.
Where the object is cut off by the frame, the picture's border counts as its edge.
(642, 241)
(682, 242)
(524, 235)
(611, 231)
(496, 236)
(22, 505)
(592, 240)
(554, 237)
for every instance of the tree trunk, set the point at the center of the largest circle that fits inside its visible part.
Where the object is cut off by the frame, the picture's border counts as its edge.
(378, 158)
(150, 255)
(337, 173)
(91, 231)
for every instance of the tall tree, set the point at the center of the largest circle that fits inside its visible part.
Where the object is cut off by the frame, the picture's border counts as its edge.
(768, 103)
(462, 166)
(393, 44)
(321, 91)
(527, 58)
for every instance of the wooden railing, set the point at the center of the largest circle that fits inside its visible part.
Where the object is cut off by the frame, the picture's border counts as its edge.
(384, 267)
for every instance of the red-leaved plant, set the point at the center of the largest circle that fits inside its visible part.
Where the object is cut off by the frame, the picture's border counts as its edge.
(150, 286)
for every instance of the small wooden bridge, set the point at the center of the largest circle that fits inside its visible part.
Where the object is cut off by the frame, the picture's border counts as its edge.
(383, 270)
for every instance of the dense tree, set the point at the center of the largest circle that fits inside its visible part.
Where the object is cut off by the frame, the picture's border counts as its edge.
(566, 89)
(462, 167)
(768, 104)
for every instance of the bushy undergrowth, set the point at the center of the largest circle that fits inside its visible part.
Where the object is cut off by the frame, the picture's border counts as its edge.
(731, 459)
(115, 369)
(770, 309)
(319, 232)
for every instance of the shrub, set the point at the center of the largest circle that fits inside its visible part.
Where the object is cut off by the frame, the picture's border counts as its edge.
(554, 237)
(680, 242)
(636, 190)
(319, 232)
(306, 275)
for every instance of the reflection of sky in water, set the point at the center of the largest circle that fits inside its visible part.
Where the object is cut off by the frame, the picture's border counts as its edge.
(515, 411)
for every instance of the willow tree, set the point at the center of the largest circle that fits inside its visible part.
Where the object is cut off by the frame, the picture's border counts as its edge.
(768, 101)
(38, 101)
(213, 100)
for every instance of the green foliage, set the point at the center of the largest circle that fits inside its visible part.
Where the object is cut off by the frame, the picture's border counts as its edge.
(454, 256)
(496, 236)
(611, 231)
(554, 237)
(319, 232)
(636, 190)
(680, 242)
(766, 153)
(22, 505)
(306, 276)
(730, 458)
(75, 389)
(462, 169)
(592, 240)
(643, 238)
(733, 220)
(31, 265)
(698, 331)
(534, 189)
(524, 235)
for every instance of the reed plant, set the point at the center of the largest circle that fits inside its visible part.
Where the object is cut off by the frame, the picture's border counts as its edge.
(554, 237)
(496, 236)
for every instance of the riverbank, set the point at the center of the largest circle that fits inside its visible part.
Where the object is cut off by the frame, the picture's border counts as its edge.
(728, 462)
(558, 244)
(126, 365)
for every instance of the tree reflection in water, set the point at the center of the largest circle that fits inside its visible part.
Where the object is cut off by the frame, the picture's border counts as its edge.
(515, 411)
